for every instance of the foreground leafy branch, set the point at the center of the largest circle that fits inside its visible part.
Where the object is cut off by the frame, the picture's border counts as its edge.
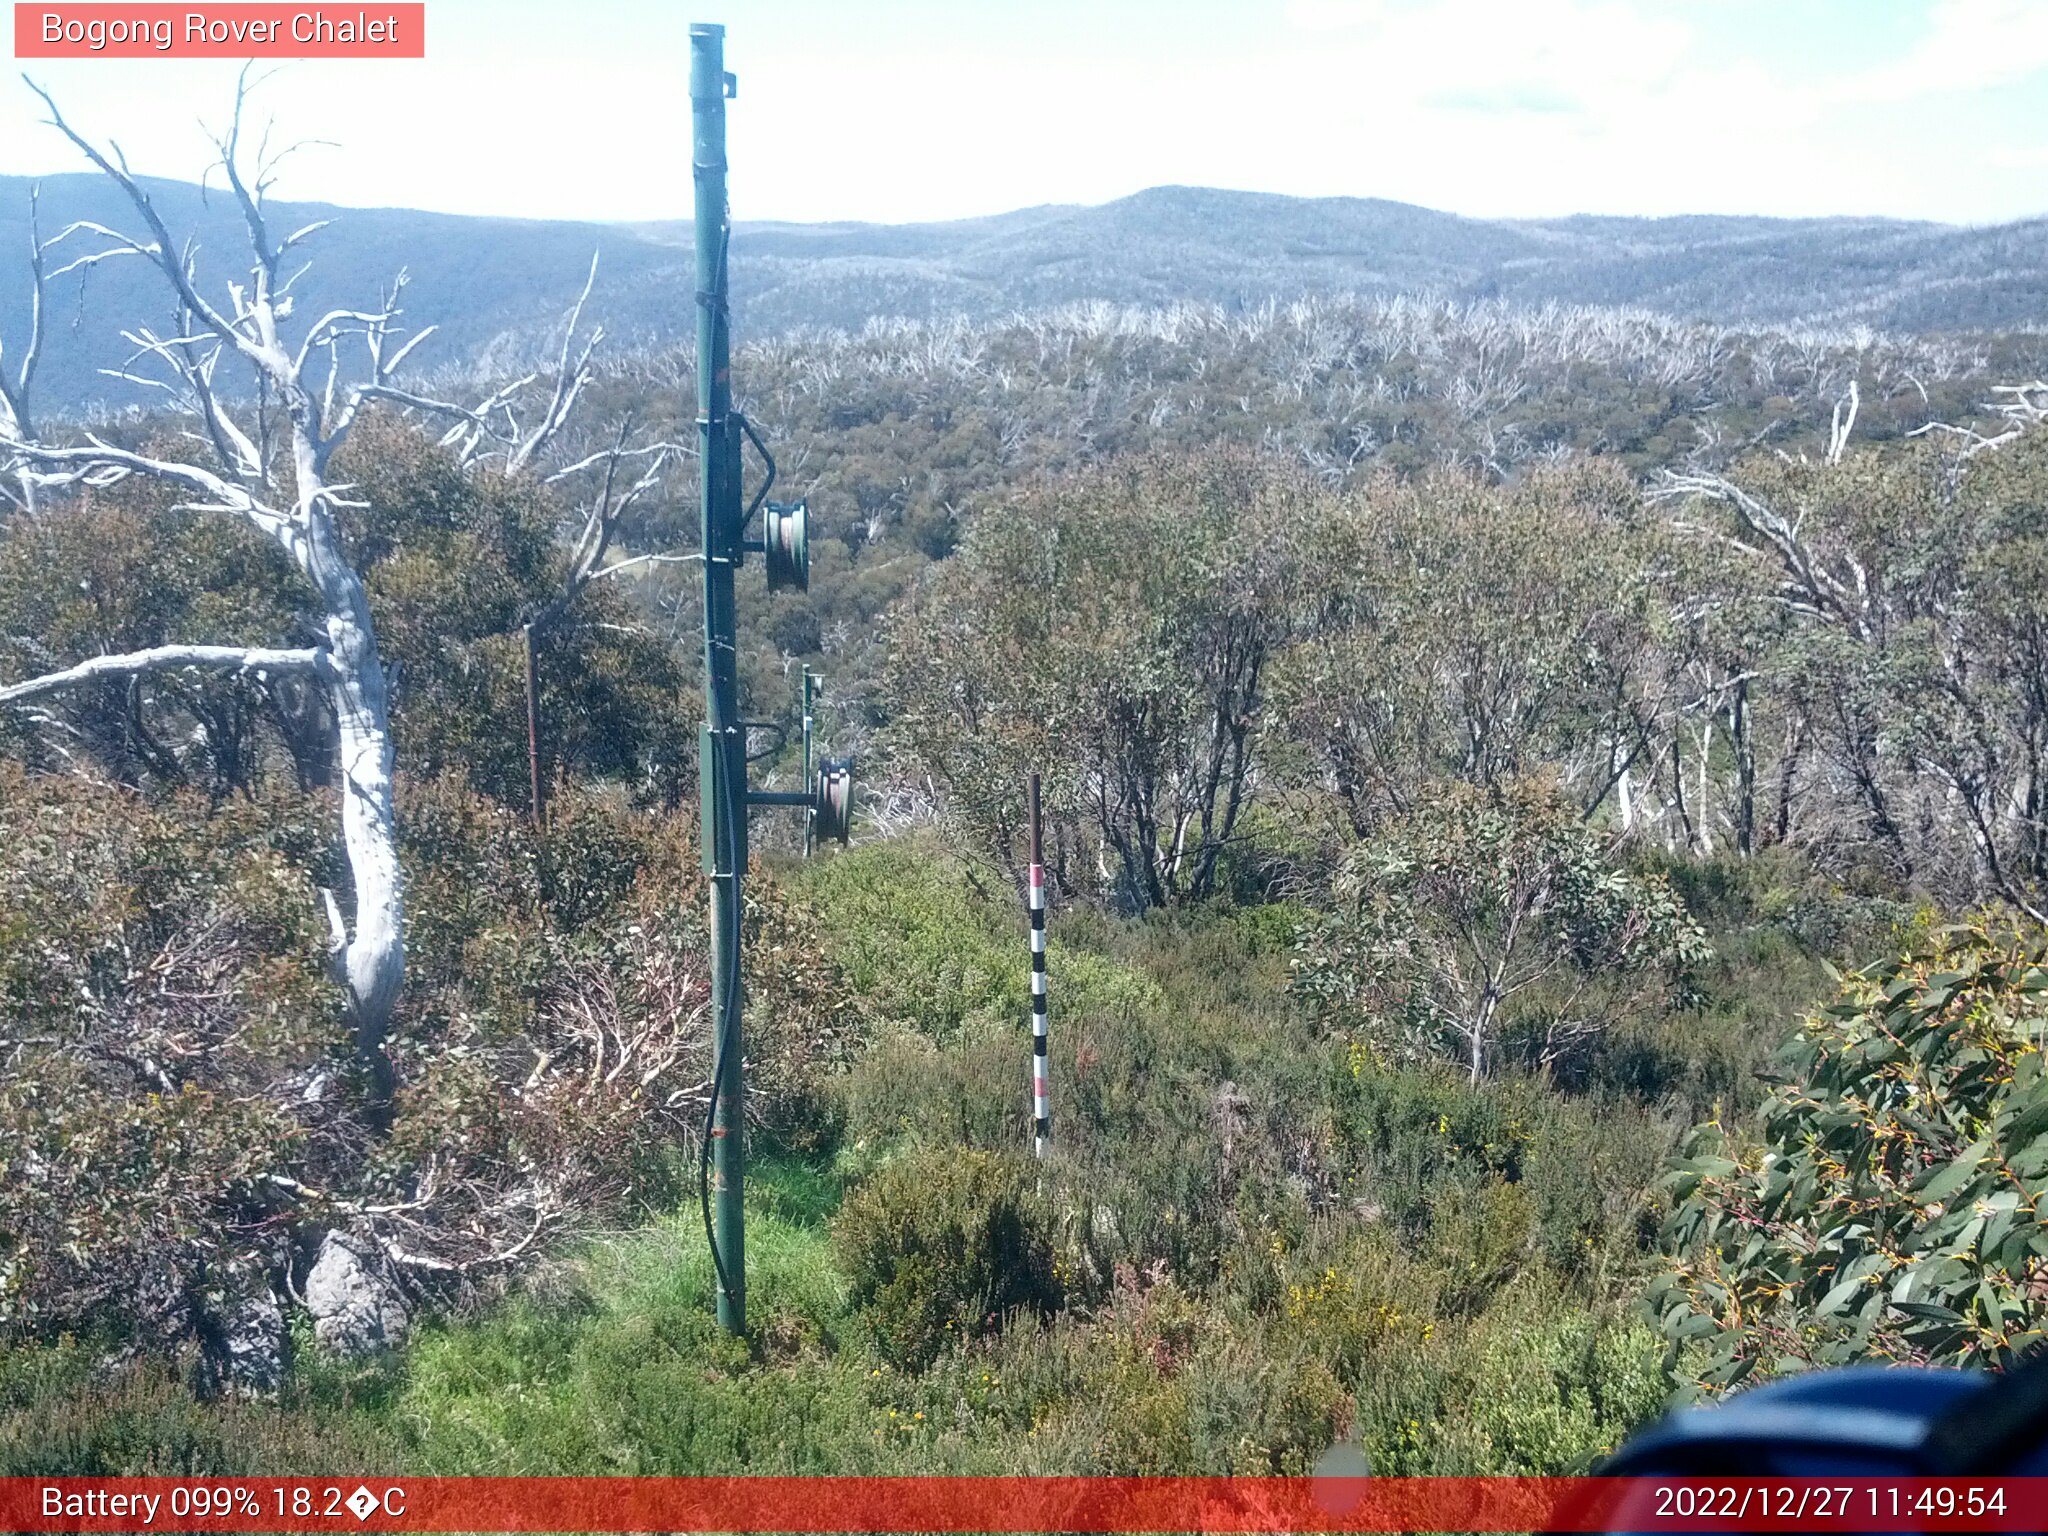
(1893, 1205)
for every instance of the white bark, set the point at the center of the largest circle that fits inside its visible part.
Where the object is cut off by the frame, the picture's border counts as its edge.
(2024, 406)
(14, 394)
(1843, 423)
(1810, 587)
(273, 473)
(494, 432)
(164, 658)
(602, 512)
(293, 503)
(1706, 810)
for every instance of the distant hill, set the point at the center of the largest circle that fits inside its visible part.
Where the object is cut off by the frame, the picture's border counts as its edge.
(496, 286)
(490, 284)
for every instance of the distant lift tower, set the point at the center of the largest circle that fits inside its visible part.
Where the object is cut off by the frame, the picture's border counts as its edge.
(722, 754)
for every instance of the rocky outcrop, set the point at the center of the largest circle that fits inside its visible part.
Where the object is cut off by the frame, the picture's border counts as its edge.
(244, 1348)
(357, 1304)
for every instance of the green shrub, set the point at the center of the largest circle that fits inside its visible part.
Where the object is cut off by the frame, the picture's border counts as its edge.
(904, 925)
(65, 1411)
(940, 1245)
(1492, 1176)
(1538, 1384)
(907, 1091)
(1491, 918)
(454, 563)
(181, 1118)
(162, 979)
(1708, 1057)
(1888, 1208)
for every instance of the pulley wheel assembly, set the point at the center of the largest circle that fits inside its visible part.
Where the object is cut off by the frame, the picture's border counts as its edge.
(833, 799)
(786, 541)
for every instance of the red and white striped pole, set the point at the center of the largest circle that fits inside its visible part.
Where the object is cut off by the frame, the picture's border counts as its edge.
(1041, 1090)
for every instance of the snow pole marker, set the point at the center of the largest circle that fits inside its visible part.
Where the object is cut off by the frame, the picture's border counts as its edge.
(1041, 1087)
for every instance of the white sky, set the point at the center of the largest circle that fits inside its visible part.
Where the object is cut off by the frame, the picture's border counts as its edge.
(920, 109)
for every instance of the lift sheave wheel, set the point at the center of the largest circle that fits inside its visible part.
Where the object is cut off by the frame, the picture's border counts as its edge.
(786, 537)
(832, 812)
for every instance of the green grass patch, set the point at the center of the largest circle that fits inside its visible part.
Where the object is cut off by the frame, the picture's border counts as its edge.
(618, 1366)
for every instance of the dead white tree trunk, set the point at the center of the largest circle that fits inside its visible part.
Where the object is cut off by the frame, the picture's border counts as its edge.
(269, 449)
(14, 393)
(288, 498)
(1843, 423)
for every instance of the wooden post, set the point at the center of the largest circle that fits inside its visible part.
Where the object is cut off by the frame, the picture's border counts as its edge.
(533, 735)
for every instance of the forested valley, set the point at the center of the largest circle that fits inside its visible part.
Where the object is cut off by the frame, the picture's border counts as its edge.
(1545, 825)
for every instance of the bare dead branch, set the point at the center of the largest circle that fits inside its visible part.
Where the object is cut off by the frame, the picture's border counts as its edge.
(14, 396)
(569, 380)
(116, 170)
(165, 658)
(1812, 583)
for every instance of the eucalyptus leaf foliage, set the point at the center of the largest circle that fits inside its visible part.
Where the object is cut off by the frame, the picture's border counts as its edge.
(1892, 1206)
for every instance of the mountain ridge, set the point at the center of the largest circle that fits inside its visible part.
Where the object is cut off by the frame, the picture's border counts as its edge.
(497, 286)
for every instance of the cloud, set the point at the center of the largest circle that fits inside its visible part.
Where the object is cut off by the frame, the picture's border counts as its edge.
(1504, 107)
(1535, 99)
(1969, 45)
(1533, 51)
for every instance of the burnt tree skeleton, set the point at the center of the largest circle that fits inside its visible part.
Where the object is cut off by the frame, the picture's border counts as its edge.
(263, 456)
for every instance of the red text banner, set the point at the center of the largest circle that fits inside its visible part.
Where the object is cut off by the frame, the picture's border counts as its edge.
(1018, 1504)
(220, 31)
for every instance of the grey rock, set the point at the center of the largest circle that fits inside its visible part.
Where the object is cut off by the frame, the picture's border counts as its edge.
(254, 1346)
(245, 1352)
(357, 1304)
